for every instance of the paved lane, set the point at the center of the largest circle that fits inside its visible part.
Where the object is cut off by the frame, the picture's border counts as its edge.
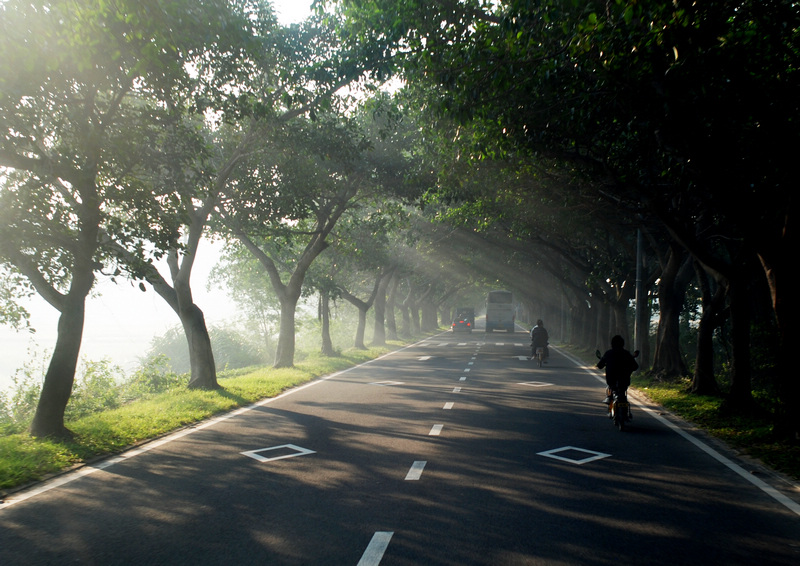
(453, 451)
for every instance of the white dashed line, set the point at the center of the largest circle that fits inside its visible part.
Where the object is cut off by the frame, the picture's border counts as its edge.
(416, 470)
(377, 547)
(436, 430)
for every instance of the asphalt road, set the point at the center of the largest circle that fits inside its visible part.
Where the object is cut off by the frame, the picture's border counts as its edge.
(454, 451)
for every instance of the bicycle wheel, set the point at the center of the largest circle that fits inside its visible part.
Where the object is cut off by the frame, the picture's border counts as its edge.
(621, 412)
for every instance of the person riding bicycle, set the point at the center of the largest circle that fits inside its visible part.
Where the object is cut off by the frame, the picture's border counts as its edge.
(539, 338)
(619, 364)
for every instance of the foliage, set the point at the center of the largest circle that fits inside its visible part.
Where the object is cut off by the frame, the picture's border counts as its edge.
(14, 288)
(232, 349)
(96, 390)
(154, 376)
(19, 403)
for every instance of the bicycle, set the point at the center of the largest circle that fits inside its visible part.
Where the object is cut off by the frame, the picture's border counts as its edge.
(538, 355)
(619, 409)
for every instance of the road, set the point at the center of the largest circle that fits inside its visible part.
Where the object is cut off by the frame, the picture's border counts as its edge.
(453, 451)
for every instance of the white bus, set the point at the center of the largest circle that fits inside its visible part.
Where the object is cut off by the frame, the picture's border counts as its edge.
(499, 311)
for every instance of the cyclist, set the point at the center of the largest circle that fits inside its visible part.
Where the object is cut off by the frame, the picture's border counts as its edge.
(619, 364)
(539, 338)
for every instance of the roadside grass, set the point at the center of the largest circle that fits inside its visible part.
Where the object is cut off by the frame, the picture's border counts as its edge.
(24, 460)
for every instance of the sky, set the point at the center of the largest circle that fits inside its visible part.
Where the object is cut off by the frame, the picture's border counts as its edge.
(291, 11)
(121, 320)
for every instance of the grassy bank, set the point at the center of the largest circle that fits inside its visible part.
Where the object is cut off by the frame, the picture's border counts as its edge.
(24, 460)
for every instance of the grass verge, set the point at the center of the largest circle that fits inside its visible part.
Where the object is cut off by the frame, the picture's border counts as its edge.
(24, 460)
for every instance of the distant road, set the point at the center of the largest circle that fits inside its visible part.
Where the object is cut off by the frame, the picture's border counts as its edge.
(454, 451)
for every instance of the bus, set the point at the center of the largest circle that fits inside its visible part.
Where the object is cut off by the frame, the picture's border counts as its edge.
(499, 311)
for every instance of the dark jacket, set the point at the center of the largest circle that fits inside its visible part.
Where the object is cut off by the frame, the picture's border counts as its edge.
(619, 364)
(539, 337)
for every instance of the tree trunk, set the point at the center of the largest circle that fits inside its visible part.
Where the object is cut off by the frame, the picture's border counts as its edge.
(405, 316)
(201, 355)
(179, 298)
(619, 311)
(325, 315)
(704, 381)
(676, 275)
(740, 397)
(410, 304)
(379, 330)
(430, 321)
(391, 301)
(284, 356)
(363, 307)
(361, 328)
(779, 267)
(602, 324)
(48, 421)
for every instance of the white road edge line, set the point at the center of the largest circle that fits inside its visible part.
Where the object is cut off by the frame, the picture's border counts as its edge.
(377, 547)
(733, 466)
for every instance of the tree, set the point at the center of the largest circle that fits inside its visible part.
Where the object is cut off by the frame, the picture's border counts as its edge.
(294, 190)
(268, 77)
(84, 86)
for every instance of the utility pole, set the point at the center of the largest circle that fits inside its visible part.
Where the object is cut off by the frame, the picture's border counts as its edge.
(640, 325)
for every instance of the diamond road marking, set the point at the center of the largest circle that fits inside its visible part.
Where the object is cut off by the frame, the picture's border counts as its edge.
(580, 461)
(536, 384)
(298, 451)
